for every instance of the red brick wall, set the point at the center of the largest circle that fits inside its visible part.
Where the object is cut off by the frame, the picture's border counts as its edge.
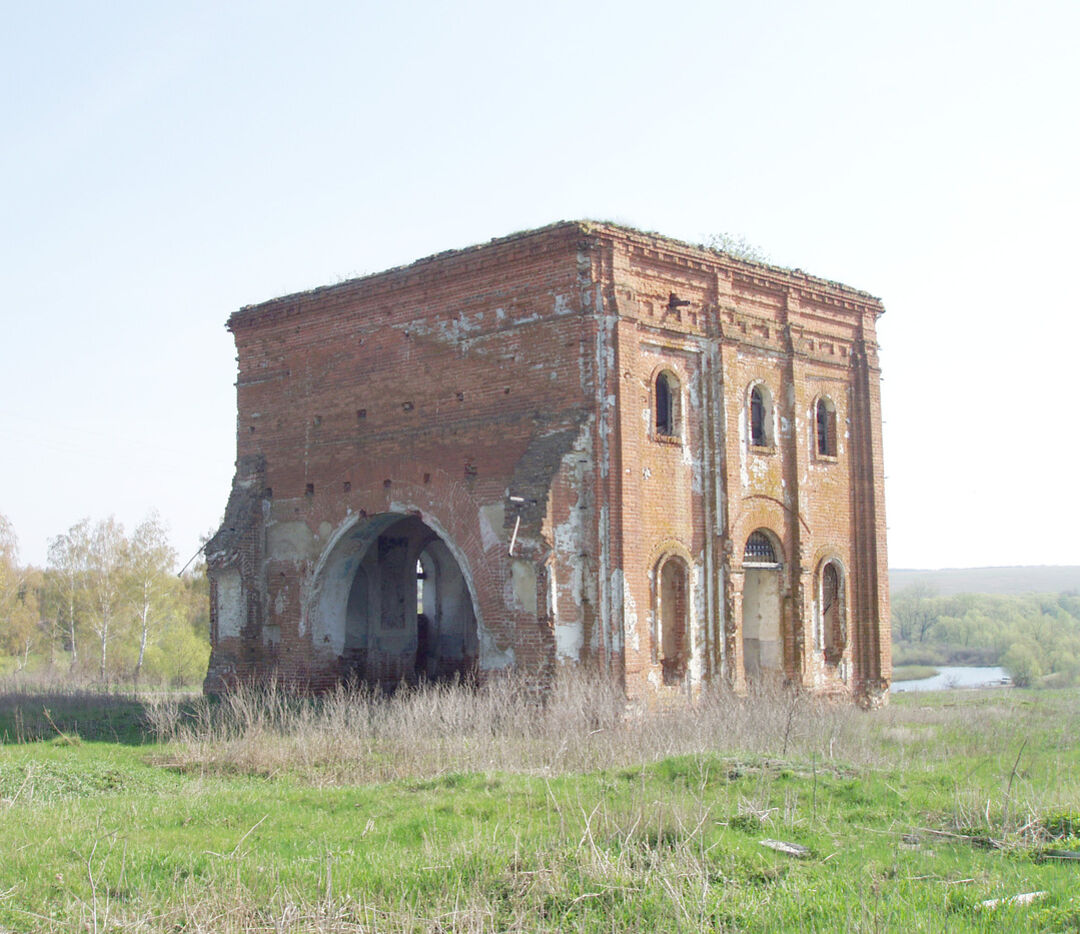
(527, 367)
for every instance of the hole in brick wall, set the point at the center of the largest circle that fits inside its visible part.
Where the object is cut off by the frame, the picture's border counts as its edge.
(309, 490)
(470, 470)
(407, 406)
(386, 484)
(347, 487)
(317, 421)
(252, 429)
(506, 391)
(461, 397)
(268, 493)
(427, 478)
(361, 414)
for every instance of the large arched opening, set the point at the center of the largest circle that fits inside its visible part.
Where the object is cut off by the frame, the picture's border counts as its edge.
(393, 602)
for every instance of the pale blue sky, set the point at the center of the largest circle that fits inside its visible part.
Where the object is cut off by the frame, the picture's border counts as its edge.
(164, 164)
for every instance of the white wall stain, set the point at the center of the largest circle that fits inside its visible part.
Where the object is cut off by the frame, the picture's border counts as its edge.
(631, 636)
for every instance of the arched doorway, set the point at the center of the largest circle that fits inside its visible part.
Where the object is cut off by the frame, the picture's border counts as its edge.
(762, 626)
(392, 603)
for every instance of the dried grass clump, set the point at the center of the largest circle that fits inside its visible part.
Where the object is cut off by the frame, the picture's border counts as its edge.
(583, 723)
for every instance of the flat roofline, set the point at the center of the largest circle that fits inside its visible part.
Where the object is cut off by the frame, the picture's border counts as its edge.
(582, 227)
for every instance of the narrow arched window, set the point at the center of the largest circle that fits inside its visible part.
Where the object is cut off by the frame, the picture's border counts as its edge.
(674, 611)
(760, 416)
(826, 428)
(757, 417)
(833, 616)
(666, 403)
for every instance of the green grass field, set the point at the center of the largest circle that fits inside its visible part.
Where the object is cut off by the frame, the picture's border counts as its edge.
(455, 811)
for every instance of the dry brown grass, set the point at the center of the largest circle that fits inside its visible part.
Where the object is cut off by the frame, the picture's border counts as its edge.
(355, 736)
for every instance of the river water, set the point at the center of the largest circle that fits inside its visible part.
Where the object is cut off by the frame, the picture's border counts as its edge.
(954, 677)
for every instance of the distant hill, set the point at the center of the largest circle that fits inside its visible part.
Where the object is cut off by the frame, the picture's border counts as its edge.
(1009, 580)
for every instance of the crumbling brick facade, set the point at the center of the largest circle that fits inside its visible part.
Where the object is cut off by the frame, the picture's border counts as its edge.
(581, 444)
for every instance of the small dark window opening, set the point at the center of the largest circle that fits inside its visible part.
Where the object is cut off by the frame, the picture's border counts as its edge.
(759, 549)
(830, 587)
(666, 400)
(310, 489)
(664, 424)
(826, 429)
(757, 418)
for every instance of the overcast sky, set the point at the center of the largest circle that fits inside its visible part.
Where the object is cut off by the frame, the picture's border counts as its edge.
(164, 164)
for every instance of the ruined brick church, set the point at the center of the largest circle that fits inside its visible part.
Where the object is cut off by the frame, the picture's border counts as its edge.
(578, 445)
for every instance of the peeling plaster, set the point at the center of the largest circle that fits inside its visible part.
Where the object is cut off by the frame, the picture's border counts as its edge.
(631, 636)
(521, 586)
(290, 541)
(618, 601)
(492, 519)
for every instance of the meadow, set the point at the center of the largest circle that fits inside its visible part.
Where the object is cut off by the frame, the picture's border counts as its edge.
(451, 809)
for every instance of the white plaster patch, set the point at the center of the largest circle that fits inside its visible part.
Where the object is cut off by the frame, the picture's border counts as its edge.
(492, 658)
(618, 603)
(230, 604)
(492, 519)
(569, 640)
(522, 585)
(570, 537)
(289, 541)
(630, 622)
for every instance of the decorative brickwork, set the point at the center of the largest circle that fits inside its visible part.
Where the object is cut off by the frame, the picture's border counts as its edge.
(576, 445)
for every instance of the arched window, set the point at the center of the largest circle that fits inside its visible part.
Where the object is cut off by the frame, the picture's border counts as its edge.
(667, 404)
(826, 427)
(760, 416)
(759, 549)
(674, 612)
(832, 615)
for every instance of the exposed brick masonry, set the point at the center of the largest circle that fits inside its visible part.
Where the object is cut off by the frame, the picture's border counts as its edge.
(505, 395)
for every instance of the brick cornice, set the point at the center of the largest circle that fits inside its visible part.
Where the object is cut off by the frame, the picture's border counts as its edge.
(444, 265)
(574, 236)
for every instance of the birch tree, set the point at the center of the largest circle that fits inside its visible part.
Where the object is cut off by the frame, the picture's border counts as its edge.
(69, 562)
(153, 585)
(105, 572)
(18, 600)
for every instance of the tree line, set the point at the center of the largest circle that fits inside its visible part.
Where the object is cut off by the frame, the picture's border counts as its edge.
(1035, 637)
(108, 607)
